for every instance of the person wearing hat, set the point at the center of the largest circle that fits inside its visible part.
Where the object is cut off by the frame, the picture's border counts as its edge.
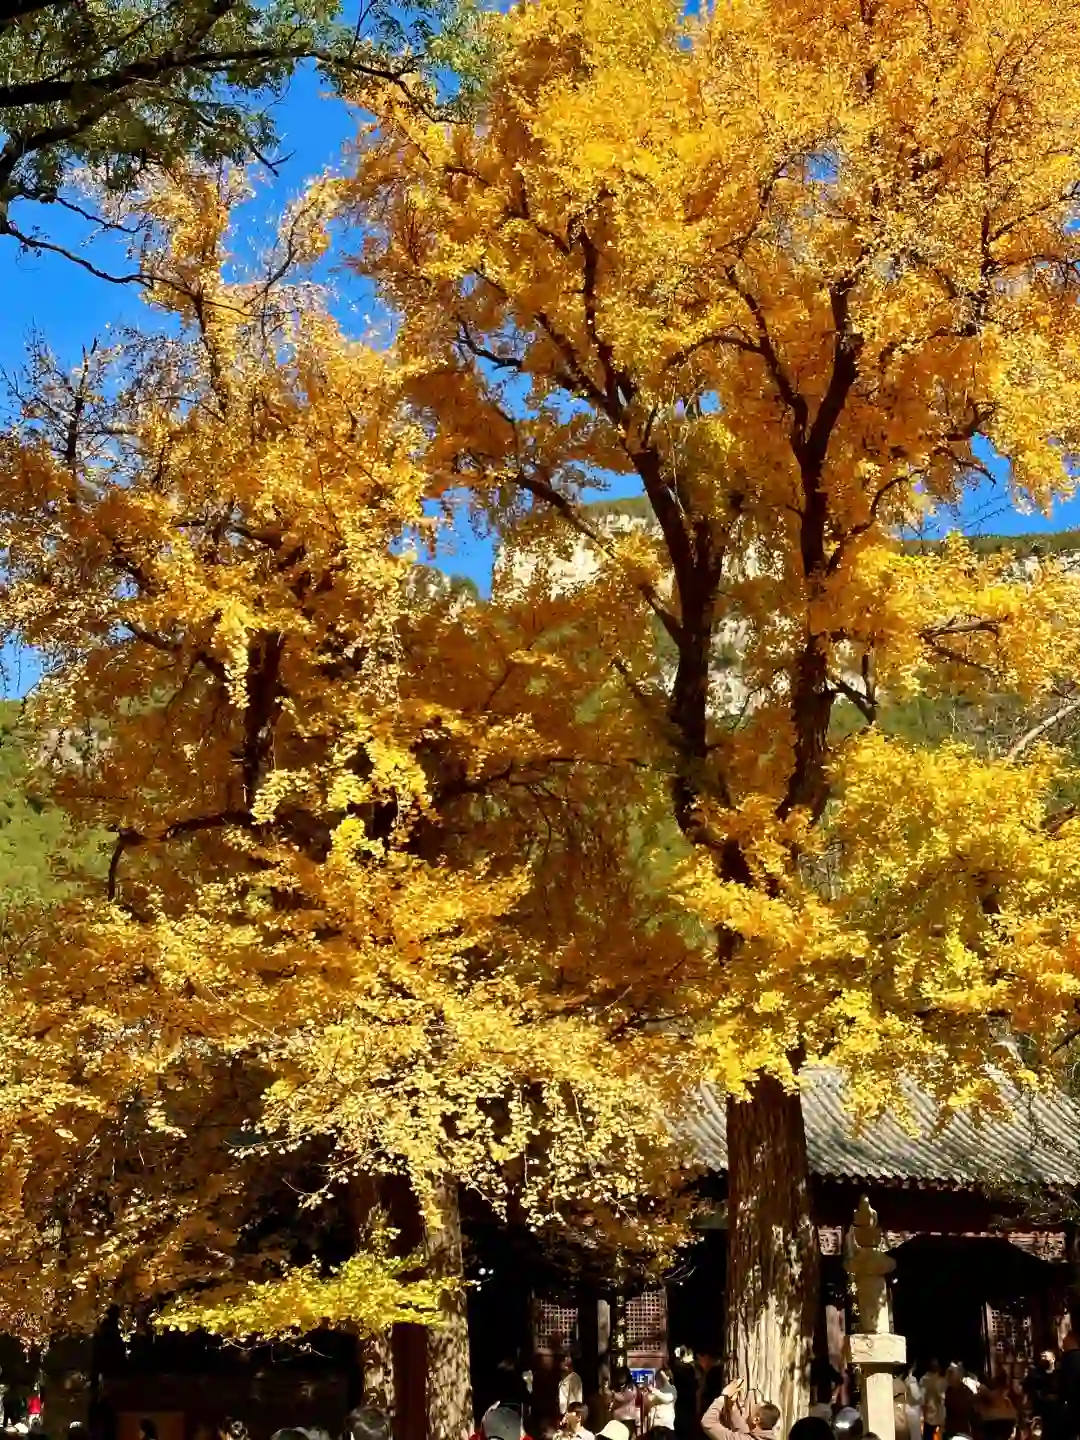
(614, 1430)
(726, 1420)
(502, 1422)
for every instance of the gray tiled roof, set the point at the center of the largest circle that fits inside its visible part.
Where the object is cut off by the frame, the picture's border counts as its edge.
(1039, 1142)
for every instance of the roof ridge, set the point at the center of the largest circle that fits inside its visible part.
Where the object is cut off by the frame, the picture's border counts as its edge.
(1038, 1142)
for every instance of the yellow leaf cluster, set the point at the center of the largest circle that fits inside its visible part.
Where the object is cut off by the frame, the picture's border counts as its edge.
(363, 1293)
(410, 886)
(306, 981)
(793, 272)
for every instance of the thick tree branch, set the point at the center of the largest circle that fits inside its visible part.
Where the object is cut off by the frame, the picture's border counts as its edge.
(174, 647)
(38, 243)
(130, 839)
(1038, 731)
(812, 696)
(542, 490)
(793, 400)
(865, 704)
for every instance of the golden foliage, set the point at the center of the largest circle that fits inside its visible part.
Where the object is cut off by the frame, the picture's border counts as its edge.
(364, 1293)
(791, 270)
(408, 884)
(300, 980)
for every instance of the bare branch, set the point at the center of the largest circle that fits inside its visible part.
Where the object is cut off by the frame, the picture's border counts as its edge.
(32, 242)
(865, 704)
(1038, 731)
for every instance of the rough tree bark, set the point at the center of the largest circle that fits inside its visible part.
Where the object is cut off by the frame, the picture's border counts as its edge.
(367, 1195)
(377, 1363)
(449, 1388)
(773, 1269)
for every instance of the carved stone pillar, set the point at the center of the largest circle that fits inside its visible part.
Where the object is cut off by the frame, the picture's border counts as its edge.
(874, 1348)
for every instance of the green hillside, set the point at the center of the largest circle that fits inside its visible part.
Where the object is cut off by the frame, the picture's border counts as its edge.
(39, 852)
(1057, 542)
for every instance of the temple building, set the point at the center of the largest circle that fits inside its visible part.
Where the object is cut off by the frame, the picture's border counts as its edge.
(975, 1213)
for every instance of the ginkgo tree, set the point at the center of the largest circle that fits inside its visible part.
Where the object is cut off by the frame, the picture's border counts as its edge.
(795, 271)
(307, 998)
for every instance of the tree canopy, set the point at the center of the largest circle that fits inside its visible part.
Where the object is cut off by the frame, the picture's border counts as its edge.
(780, 432)
(118, 87)
(304, 1006)
(407, 884)
(791, 271)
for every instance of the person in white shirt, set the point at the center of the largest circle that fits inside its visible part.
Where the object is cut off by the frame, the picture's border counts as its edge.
(571, 1390)
(913, 1404)
(573, 1422)
(660, 1406)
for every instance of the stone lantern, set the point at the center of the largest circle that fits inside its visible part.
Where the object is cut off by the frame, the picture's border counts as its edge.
(875, 1349)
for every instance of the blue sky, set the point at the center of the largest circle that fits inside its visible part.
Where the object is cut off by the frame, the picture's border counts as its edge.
(69, 308)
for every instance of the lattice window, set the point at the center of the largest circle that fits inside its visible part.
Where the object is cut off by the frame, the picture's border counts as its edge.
(1010, 1329)
(556, 1328)
(646, 1321)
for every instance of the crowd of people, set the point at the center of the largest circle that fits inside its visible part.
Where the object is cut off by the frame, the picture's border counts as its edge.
(363, 1423)
(683, 1399)
(1025, 1400)
(1038, 1400)
(625, 1407)
(692, 1399)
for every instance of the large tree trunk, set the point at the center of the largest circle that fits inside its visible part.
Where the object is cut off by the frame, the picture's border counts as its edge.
(1072, 1255)
(449, 1389)
(377, 1363)
(773, 1263)
(367, 1196)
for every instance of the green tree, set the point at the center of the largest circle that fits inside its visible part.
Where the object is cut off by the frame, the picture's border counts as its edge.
(117, 86)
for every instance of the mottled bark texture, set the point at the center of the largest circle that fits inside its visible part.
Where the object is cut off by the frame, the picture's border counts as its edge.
(449, 1390)
(773, 1262)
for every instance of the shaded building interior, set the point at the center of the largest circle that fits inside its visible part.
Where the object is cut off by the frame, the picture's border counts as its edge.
(973, 1212)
